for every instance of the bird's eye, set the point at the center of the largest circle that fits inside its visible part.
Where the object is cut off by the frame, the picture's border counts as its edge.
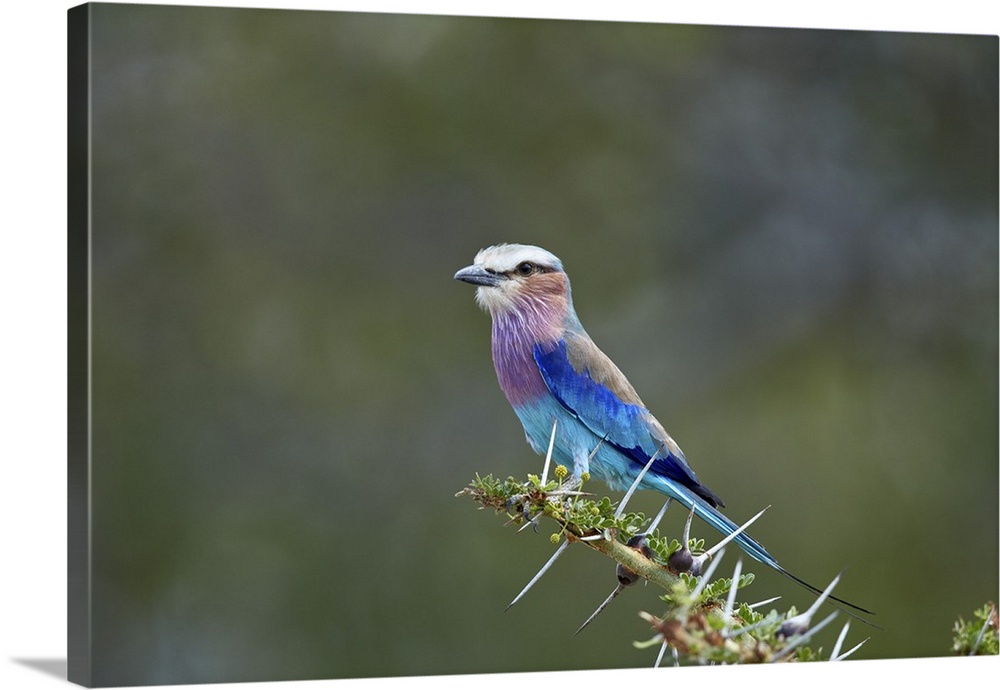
(525, 268)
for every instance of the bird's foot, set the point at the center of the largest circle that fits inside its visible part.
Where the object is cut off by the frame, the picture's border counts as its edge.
(518, 506)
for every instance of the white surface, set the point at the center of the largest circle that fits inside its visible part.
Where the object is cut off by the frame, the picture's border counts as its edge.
(32, 349)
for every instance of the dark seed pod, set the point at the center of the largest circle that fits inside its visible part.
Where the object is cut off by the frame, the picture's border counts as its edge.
(681, 561)
(640, 544)
(625, 576)
(792, 627)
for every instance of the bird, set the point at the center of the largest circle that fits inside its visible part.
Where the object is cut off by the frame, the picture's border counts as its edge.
(554, 376)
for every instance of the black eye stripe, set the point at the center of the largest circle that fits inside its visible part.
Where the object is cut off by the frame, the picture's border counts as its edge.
(527, 268)
(523, 269)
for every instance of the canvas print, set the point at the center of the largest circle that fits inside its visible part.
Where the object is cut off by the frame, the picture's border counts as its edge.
(416, 345)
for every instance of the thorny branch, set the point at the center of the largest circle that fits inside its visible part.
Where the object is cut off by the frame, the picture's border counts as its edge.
(703, 622)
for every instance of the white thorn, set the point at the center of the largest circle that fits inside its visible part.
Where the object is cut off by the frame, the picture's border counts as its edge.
(618, 590)
(708, 554)
(840, 641)
(731, 599)
(979, 637)
(537, 577)
(548, 455)
(659, 516)
(764, 603)
(823, 623)
(853, 649)
(802, 620)
(635, 484)
(687, 529)
(822, 597)
(659, 657)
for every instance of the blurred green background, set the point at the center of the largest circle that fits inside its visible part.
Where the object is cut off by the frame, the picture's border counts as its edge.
(787, 239)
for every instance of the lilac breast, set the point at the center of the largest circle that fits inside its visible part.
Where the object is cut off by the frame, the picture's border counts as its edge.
(514, 338)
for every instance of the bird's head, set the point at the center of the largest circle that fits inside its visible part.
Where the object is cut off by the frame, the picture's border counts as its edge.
(515, 277)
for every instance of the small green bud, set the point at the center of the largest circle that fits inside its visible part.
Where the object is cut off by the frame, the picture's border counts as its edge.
(585, 477)
(561, 471)
(555, 538)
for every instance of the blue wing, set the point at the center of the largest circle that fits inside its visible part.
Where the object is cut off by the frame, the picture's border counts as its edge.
(592, 389)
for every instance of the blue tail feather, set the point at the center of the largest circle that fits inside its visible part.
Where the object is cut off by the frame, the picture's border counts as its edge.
(713, 517)
(748, 544)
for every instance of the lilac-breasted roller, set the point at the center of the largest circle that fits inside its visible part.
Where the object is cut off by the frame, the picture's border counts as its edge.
(551, 371)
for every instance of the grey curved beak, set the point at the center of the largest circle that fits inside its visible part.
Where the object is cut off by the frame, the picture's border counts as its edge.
(478, 276)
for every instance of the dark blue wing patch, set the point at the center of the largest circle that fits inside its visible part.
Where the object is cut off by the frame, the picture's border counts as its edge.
(622, 425)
